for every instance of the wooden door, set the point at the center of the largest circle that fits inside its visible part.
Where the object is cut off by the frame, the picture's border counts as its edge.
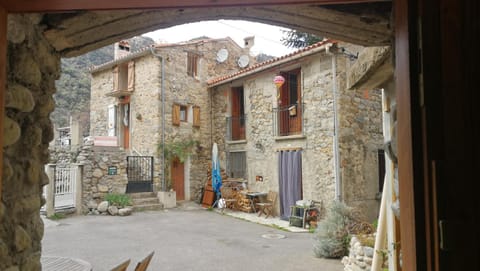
(238, 114)
(178, 178)
(449, 34)
(438, 119)
(124, 119)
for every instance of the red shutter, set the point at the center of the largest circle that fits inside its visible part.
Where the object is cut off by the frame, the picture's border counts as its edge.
(176, 114)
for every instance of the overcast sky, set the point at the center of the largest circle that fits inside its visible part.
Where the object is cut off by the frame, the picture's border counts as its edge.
(267, 37)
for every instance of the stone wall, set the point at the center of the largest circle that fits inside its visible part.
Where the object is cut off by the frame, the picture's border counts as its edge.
(32, 68)
(180, 88)
(359, 257)
(95, 161)
(359, 124)
(262, 146)
(360, 138)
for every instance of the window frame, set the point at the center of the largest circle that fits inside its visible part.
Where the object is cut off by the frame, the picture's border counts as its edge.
(184, 117)
(229, 164)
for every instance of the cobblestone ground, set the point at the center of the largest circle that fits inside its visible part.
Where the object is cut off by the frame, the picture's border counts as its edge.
(183, 239)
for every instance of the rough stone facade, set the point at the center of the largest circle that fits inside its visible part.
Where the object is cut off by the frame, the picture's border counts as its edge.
(180, 88)
(360, 133)
(32, 68)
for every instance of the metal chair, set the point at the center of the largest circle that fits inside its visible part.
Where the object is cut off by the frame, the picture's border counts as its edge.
(267, 206)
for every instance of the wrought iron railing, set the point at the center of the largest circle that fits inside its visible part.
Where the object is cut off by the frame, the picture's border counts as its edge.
(288, 120)
(236, 128)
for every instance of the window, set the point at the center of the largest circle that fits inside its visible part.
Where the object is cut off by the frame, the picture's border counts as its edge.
(183, 113)
(237, 120)
(124, 77)
(381, 169)
(237, 165)
(289, 113)
(192, 64)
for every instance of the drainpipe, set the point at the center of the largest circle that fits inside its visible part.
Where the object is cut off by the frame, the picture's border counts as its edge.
(336, 152)
(162, 91)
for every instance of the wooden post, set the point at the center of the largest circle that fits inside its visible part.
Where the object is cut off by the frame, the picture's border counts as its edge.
(381, 233)
(3, 83)
(389, 179)
(404, 130)
(50, 197)
(78, 188)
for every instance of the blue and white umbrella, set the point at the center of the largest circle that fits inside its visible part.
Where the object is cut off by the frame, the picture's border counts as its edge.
(216, 176)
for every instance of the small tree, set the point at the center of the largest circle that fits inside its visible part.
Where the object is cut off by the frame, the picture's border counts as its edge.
(295, 39)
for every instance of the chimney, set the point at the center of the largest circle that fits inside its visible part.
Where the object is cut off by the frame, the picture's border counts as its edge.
(249, 42)
(121, 49)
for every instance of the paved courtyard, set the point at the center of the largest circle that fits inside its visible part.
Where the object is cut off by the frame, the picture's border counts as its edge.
(183, 239)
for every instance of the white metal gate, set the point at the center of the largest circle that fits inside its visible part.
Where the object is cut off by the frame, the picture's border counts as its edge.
(65, 177)
(64, 181)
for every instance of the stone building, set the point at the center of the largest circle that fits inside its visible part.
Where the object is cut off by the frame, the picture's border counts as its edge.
(437, 108)
(284, 139)
(157, 97)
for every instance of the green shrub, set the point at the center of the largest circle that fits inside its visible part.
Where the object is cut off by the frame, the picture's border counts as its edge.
(119, 200)
(332, 237)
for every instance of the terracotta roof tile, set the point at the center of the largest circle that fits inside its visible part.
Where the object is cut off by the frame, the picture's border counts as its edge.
(259, 66)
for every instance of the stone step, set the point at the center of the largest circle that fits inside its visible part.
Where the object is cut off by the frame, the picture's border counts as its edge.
(148, 207)
(141, 201)
(142, 195)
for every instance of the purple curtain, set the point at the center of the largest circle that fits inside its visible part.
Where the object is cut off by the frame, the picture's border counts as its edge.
(289, 180)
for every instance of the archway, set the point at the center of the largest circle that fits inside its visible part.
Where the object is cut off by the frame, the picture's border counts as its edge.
(405, 49)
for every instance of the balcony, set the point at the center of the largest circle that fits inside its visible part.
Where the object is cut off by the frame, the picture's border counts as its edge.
(236, 128)
(288, 120)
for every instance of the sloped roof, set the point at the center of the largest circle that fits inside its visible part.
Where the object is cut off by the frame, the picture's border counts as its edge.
(146, 50)
(309, 50)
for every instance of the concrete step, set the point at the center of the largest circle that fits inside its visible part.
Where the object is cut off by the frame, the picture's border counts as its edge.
(142, 195)
(148, 207)
(141, 201)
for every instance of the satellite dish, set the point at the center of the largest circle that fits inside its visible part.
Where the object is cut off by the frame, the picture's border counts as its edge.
(243, 61)
(222, 55)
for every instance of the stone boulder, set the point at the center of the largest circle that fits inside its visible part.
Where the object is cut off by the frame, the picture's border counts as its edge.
(112, 210)
(102, 207)
(125, 211)
(92, 205)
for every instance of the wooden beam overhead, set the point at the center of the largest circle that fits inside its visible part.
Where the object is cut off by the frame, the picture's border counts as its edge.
(18, 6)
(86, 31)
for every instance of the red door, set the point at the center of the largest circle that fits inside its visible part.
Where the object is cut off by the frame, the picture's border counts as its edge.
(178, 178)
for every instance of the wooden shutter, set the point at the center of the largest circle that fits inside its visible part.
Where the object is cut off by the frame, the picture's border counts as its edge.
(116, 79)
(176, 114)
(131, 75)
(196, 116)
(189, 64)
